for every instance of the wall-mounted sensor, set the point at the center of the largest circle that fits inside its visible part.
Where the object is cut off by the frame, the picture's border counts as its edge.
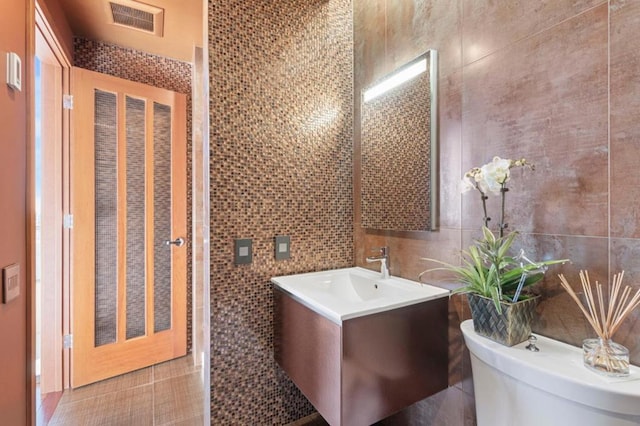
(243, 253)
(14, 71)
(283, 247)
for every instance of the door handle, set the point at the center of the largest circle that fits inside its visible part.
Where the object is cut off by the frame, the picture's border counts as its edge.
(178, 242)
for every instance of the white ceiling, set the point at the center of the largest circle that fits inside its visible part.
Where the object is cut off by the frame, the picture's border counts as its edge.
(183, 23)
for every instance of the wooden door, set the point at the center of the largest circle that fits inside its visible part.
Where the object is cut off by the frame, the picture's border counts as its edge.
(128, 200)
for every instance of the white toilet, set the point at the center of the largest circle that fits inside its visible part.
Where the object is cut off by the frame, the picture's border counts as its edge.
(517, 387)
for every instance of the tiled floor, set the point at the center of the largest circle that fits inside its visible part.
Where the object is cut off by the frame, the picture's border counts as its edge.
(165, 394)
(313, 420)
(46, 406)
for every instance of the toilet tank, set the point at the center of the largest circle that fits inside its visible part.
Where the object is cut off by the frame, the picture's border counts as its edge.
(515, 386)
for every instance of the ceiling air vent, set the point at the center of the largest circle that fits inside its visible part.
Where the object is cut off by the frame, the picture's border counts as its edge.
(137, 16)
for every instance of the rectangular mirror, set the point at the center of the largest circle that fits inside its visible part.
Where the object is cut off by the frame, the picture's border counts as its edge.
(399, 148)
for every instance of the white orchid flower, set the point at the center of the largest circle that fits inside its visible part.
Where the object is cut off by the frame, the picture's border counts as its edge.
(495, 174)
(471, 179)
(467, 184)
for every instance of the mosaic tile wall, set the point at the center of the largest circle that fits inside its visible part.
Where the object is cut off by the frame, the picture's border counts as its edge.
(557, 83)
(156, 71)
(281, 164)
(395, 158)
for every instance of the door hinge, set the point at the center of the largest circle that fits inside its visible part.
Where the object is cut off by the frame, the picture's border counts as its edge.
(68, 221)
(68, 341)
(67, 101)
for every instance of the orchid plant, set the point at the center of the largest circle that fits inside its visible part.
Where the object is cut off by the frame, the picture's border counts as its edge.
(487, 269)
(492, 178)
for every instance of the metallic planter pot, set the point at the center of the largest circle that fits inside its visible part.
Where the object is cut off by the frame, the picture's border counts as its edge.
(510, 327)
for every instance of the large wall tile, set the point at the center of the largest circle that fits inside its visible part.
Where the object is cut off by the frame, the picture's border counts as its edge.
(406, 250)
(369, 30)
(491, 25)
(625, 126)
(450, 112)
(624, 257)
(544, 98)
(417, 25)
(389, 33)
(401, 46)
(558, 316)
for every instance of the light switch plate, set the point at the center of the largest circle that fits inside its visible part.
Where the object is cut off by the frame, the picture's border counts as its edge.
(10, 282)
(14, 71)
(282, 247)
(243, 251)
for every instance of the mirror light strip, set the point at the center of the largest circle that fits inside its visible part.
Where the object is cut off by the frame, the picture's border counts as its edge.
(434, 142)
(396, 80)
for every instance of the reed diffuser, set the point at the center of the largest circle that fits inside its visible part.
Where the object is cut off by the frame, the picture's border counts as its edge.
(605, 316)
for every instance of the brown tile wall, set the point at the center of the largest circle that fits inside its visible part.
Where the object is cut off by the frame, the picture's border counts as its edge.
(156, 71)
(281, 119)
(555, 82)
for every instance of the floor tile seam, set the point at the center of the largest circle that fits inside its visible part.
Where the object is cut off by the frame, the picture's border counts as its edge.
(153, 395)
(102, 395)
(164, 379)
(175, 421)
(187, 415)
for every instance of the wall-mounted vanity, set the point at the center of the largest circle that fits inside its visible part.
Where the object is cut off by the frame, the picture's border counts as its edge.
(359, 347)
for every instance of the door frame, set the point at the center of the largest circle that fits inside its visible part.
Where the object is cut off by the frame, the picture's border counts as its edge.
(38, 22)
(60, 315)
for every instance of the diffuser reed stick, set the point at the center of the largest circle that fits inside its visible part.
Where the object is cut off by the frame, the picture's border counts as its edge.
(605, 318)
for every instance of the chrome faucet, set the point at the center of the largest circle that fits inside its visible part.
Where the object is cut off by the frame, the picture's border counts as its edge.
(383, 258)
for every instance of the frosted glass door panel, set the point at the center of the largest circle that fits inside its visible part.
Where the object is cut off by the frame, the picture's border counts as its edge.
(106, 217)
(162, 215)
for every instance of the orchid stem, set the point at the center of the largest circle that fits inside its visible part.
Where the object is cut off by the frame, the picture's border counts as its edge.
(484, 208)
(502, 225)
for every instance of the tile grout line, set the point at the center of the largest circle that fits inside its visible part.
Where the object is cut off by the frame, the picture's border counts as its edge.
(174, 374)
(101, 395)
(609, 161)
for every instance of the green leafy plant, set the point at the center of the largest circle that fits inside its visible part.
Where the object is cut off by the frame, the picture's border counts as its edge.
(486, 268)
(489, 271)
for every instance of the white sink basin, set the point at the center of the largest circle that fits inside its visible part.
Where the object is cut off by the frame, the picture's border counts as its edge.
(343, 294)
